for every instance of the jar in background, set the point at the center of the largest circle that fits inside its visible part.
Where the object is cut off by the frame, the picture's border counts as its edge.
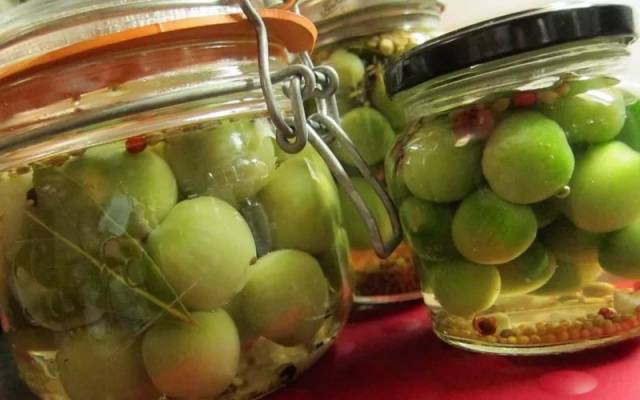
(518, 180)
(173, 252)
(358, 38)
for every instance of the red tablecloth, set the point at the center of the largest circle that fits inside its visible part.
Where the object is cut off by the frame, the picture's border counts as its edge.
(395, 356)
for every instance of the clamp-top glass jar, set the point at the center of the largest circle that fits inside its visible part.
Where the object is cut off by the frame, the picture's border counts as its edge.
(156, 240)
(518, 180)
(358, 38)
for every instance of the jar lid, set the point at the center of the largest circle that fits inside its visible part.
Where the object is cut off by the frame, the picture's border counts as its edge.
(507, 36)
(42, 32)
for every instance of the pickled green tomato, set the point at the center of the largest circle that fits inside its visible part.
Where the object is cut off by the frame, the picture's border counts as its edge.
(427, 228)
(286, 297)
(203, 248)
(127, 192)
(357, 230)
(192, 361)
(528, 272)
(350, 68)
(104, 362)
(310, 155)
(489, 230)
(141, 188)
(302, 206)
(391, 110)
(569, 243)
(605, 188)
(631, 131)
(589, 116)
(620, 252)
(527, 158)
(435, 169)
(232, 160)
(568, 278)
(369, 131)
(464, 288)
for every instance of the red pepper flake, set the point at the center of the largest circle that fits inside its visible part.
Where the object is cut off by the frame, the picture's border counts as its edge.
(136, 144)
(607, 313)
(485, 325)
(524, 99)
(476, 121)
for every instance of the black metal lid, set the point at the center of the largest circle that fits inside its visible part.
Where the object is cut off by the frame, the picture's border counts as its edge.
(507, 36)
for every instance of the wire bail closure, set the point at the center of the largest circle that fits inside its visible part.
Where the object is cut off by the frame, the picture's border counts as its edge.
(292, 135)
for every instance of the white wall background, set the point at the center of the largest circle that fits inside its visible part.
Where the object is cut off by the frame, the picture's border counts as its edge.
(459, 13)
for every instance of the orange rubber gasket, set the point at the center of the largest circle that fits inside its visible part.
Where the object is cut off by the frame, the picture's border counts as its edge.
(293, 31)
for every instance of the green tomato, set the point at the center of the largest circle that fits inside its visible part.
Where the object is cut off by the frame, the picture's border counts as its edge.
(350, 69)
(569, 278)
(232, 160)
(392, 110)
(435, 169)
(527, 158)
(605, 188)
(589, 116)
(569, 243)
(427, 228)
(104, 363)
(359, 235)
(193, 361)
(631, 131)
(464, 288)
(620, 252)
(528, 272)
(302, 206)
(309, 155)
(286, 297)
(369, 131)
(203, 248)
(489, 230)
(105, 192)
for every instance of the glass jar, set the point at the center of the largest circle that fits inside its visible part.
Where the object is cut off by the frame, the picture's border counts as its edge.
(358, 38)
(155, 252)
(518, 180)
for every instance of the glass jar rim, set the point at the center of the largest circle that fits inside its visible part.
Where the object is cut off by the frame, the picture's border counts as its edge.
(533, 70)
(348, 19)
(507, 36)
(321, 11)
(42, 31)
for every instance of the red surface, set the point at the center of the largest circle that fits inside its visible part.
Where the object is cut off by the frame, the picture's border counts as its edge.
(395, 356)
